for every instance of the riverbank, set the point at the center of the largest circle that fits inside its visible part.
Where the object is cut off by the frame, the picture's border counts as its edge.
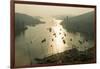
(72, 56)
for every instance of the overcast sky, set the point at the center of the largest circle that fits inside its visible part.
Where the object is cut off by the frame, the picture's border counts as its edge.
(42, 10)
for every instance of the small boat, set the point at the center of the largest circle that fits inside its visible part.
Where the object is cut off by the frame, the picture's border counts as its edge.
(52, 39)
(70, 39)
(51, 46)
(64, 34)
(64, 42)
(44, 40)
(50, 29)
(80, 42)
(62, 37)
(54, 34)
(59, 33)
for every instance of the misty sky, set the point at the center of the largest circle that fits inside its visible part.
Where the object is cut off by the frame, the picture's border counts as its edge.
(41, 10)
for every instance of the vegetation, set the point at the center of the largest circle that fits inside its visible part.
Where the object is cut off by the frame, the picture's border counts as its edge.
(72, 56)
(83, 23)
(22, 20)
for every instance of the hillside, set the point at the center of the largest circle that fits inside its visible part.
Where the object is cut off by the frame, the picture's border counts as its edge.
(83, 23)
(22, 20)
(72, 56)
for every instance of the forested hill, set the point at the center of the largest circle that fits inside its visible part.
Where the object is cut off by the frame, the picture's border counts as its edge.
(83, 23)
(21, 20)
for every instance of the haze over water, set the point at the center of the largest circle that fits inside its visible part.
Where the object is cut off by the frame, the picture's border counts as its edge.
(29, 45)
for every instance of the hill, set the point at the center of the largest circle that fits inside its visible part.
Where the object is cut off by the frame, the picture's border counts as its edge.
(83, 23)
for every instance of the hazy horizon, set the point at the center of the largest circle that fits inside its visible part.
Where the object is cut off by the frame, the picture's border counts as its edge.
(42, 10)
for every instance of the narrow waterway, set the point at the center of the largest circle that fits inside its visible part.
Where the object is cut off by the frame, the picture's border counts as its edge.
(46, 39)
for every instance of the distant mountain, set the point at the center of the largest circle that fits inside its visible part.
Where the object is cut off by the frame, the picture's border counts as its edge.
(21, 20)
(82, 23)
(61, 17)
(26, 19)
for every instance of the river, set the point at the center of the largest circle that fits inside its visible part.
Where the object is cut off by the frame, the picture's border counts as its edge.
(56, 40)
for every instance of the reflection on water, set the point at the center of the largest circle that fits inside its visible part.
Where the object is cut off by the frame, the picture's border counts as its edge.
(46, 39)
